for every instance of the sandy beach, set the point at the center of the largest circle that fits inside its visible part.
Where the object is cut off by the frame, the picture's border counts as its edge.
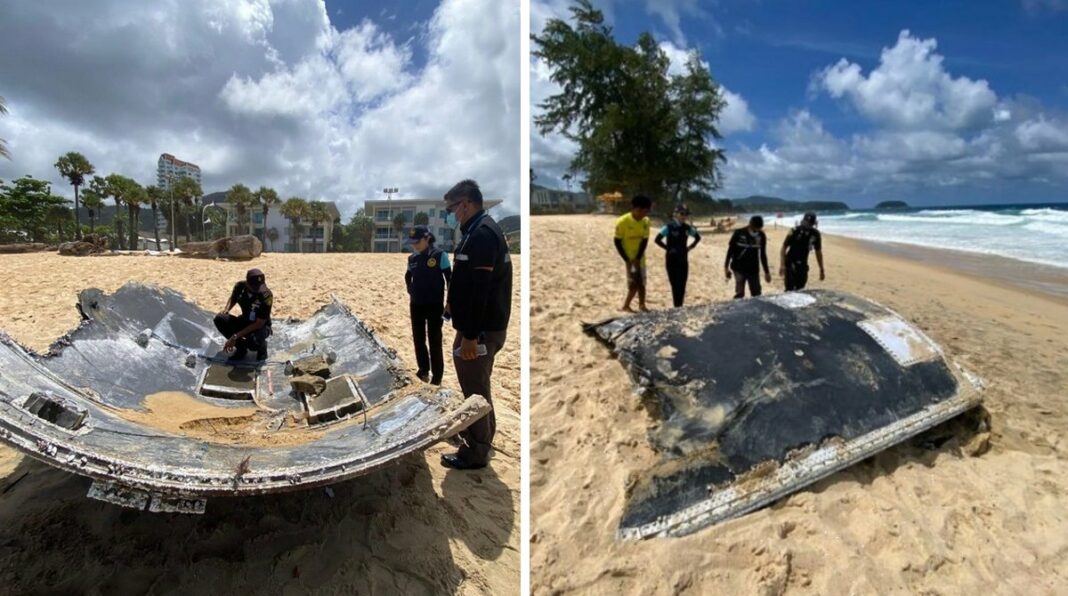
(413, 528)
(913, 519)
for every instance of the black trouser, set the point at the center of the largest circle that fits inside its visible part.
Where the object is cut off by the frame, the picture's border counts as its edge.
(426, 322)
(474, 376)
(741, 278)
(228, 325)
(678, 271)
(796, 275)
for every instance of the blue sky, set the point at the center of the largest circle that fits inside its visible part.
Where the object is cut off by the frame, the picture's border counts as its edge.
(929, 102)
(324, 100)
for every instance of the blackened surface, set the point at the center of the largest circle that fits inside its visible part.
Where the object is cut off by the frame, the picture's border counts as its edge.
(760, 380)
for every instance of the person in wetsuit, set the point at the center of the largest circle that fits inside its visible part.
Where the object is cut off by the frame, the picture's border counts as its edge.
(253, 327)
(746, 254)
(631, 240)
(480, 303)
(674, 238)
(427, 275)
(794, 256)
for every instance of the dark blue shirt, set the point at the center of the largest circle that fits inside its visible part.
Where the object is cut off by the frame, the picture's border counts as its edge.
(426, 276)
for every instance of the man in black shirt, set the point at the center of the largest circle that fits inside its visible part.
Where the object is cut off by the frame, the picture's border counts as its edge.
(746, 254)
(794, 256)
(252, 328)
(480, 302)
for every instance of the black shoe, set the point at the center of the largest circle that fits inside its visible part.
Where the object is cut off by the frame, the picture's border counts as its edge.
(436, 381)
(454, 461)
(423, 376)
(239, 354)
(261, 354)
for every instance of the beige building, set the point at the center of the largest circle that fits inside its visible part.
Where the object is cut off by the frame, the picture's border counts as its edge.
(387, 239)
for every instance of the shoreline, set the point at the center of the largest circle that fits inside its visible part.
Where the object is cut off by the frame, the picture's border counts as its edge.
(1005, 271)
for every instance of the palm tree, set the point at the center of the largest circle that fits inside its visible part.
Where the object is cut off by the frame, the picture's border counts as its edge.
(187, 193)
(93, 201)
(272, 235)
(399, 220)
(240, 198)
(266, 198)
(135, 197)
(155, 199)
(3, 144)
(74, 167)
(295, 209)
(317, 213)
(56, 215)
(116, 187)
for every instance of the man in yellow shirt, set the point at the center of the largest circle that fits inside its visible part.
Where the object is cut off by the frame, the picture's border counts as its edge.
(632, 237)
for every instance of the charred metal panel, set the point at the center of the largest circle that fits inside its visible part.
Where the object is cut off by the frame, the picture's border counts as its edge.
(738, 390)
(147, 428)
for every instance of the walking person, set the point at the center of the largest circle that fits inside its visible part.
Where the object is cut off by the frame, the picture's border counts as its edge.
(674, 238)
(801, 240)
(746, 254)
(480, 302)
(427, 277)
(631, 240)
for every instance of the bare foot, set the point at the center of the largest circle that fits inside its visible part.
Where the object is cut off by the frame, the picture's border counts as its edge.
(627, 308)
(643, 308)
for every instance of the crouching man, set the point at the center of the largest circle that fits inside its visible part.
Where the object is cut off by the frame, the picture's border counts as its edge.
(253, 327)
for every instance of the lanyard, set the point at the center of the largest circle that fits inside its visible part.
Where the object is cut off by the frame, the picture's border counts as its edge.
(474, 224)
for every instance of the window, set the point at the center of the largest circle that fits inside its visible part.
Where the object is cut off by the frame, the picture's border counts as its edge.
(443, 214)
(381, 246)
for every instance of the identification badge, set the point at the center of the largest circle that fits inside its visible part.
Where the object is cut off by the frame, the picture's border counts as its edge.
(431, 262)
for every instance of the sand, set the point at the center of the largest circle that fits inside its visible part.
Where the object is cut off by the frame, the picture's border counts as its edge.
(913, 519)
(411, 528)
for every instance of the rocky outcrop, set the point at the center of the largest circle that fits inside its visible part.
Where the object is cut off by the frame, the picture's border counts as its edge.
(80, 249)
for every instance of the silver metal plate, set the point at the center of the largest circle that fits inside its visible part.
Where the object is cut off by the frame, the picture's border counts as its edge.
(117, 494)
(905, 343)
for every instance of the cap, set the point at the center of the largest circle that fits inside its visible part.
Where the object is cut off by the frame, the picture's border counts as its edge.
(256, 280)
(417, 233)
(682, 209)
(809, 218)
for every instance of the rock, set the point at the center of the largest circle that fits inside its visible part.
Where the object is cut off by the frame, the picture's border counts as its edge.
(978, 445)
(100, 240)
(310, 385)
(237, 247)
(80, 249)
(23, 247)
(312, 365)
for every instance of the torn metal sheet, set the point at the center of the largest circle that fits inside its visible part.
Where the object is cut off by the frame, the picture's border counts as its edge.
(161, 414)
(754, 399)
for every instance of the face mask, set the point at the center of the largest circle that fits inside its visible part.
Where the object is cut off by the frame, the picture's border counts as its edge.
(451, 221)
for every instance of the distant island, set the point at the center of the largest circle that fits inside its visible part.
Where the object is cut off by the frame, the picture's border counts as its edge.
(892, 205)
(765, 203)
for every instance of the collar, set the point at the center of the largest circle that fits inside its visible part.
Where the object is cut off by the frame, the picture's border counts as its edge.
(471, 223)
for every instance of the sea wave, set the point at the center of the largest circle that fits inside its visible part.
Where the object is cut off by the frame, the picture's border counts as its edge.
(964, 217)
(1048, 228)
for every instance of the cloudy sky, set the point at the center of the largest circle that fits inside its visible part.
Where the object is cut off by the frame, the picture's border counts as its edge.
(956, 102)
(326, 100)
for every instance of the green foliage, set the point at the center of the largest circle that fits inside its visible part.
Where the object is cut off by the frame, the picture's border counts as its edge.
(266, 198)
(240, 198)
(356, 236)
(422, 219)
(638, 129)
(295, 209)
(27, 207)
(317, 214)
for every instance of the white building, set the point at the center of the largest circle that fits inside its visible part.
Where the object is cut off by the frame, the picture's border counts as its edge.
(551, 200)
(287, 241)
(170, 168)
(387, 239)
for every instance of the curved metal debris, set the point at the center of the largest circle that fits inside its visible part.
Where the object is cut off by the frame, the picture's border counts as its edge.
(754, 399)
(140, 398)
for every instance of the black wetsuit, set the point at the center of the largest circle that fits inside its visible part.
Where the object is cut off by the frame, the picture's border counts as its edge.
(799, 241)
(674, 239)
(746, 254)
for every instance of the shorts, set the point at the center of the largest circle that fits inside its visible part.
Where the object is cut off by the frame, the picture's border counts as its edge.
(635, 276)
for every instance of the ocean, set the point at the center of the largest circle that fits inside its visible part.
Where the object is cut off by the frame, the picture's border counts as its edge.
(1033, 233)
